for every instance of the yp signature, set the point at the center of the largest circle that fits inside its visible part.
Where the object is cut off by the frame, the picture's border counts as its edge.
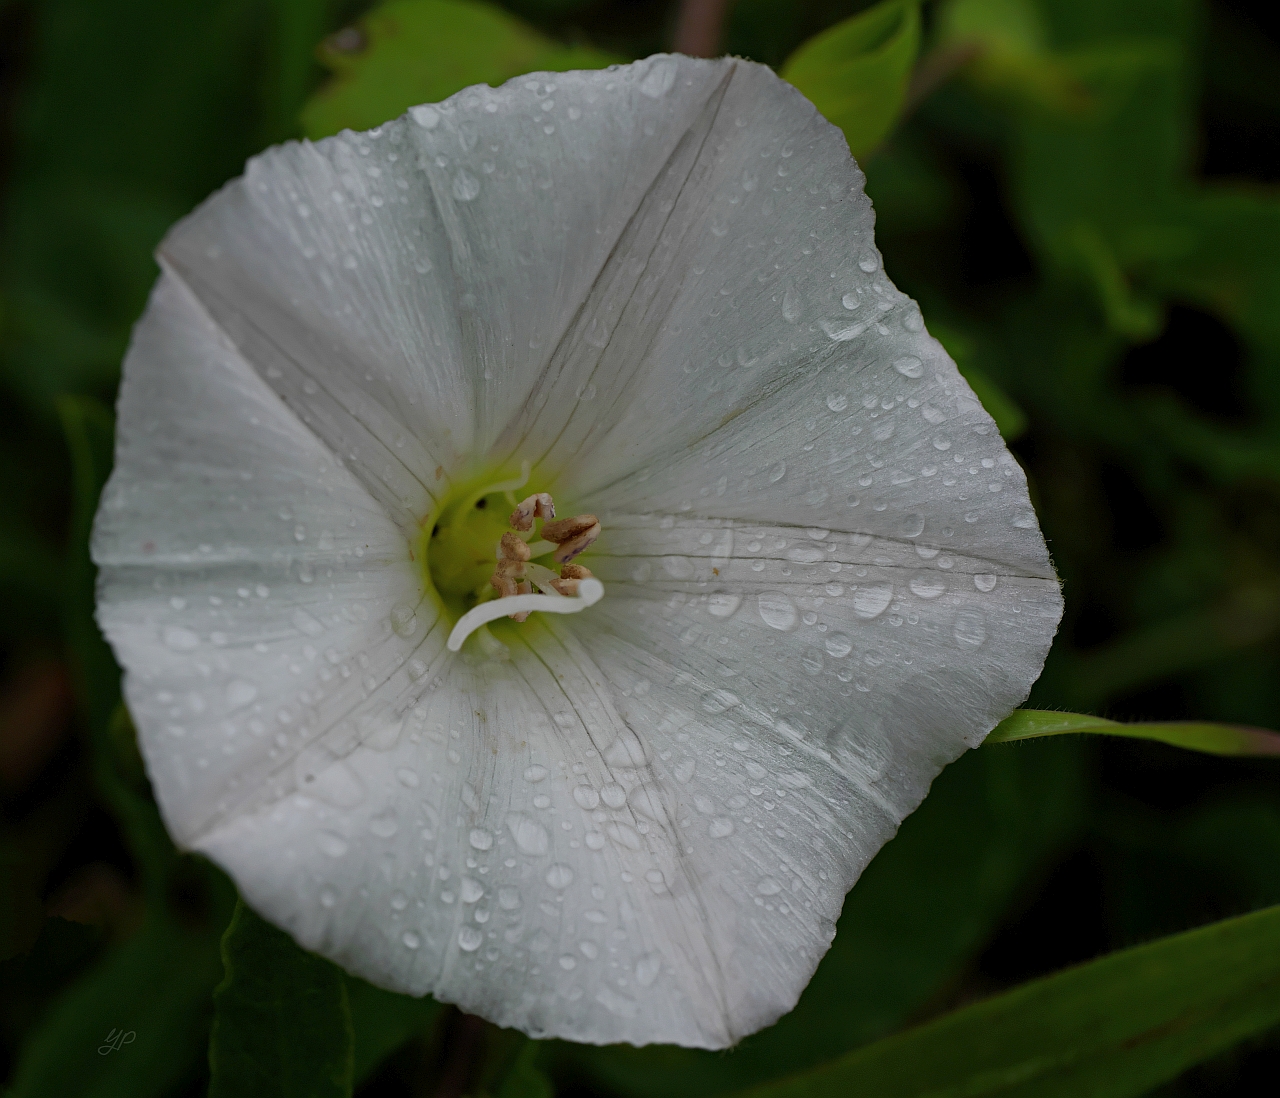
(115, 1039)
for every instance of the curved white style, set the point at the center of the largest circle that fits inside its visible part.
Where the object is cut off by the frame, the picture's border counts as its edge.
(822, 577)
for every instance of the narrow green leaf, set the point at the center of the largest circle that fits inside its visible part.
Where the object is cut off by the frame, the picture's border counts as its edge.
(1113, 1028)
(422, 51)
(1216, 739)
(282, 1022)
(856, 73)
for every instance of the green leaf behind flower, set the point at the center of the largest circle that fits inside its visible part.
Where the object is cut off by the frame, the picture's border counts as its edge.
(856, 73)
(282, 1025)
(1215, 739)
(1113, 1028)
(422, 51)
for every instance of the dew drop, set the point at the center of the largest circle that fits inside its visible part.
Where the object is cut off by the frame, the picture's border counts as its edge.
(470, 890)
(465, 186)
(481, 839)
(559, 876)
(241, 693)
(328, 898)
(871, 602)
(624, 835)
(909, 366)
(530, 837)
(585, 797)
(984, 581)
(404, 621)
(838, 645)
(778, 611)
(426, 117)
(179, 639)
(613, 795)
(970, 629)
(791, 306)
(385, 824)
(722, 604)
(331, 843)
(647, 969)
(469, 939)
(535, 773)
(720, 828)
(777, 472)
(768, 887)
(927, 585)
(646, 800)
(410, 939)
(837, 402)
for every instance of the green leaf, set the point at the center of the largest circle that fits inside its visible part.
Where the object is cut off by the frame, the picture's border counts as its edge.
(422, 51)
(856, 73)
(282, 1022)
(1215, 739)
(153, 993)
(383, 1021)
(1113, 1028)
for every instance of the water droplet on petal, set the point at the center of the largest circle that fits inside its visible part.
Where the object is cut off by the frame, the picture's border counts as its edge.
(385, 824)
(535, 773)
(465, 186)
(179, 639)
(469, 939)
(768, 887)
(470, 890)
(838, 645)
(909, 366)
(426, 117)
(777, 611)
(647, 969)
(927, 585)
(646, 800)
(481, 839)
(722, 604)
(837, 402)
(791, 306)
(659, 79)
(410, 939)
(720, 828)
(970, 629)
(529, 836)
(613, 795)
(870, 602)
(984, 581)
(559, 876)
(404, 621)
(585, 797)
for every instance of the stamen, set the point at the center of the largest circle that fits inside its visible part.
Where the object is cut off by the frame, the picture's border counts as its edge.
(539, 504)
(570, 549)
(590, 591)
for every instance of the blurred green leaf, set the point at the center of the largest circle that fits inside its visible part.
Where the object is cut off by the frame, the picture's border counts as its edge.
(1215, 739)
(422, 51)
(282, 1024)
(524, 1079)
(988, 827)
(1113, 1028)
(856, 73)
(383, 1021)
(155, 986)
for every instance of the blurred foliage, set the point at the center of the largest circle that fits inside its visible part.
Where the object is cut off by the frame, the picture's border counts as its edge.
(1082, 194)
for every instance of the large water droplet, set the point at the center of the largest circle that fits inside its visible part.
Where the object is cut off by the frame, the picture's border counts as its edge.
(530, 836)
(404, 621)
(470, 890)
(179, 639)
(535, 773)
(469, 939)
(646, 800)
(624, 835)
(426, 117)
(722, 604)
(805, 554)
(331, 843)
(659, 79)
(970, 629)
(792, 306)
(909, 366)
(870, 602)
(837, 402)
(481, 839)
(241, 693)
(984, 581)
(838, 645)
(410, 939)
(385, 824)
(720, 828)
(585, 797)
(777, 611)
(768, 887)
(559, 876)
(927, 585)
(613, 795)
(647, 969)
(465, 186)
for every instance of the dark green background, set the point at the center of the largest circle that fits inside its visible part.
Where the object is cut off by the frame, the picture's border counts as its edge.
(1113, 272)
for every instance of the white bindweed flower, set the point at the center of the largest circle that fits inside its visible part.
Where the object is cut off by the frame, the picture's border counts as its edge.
(651, 293)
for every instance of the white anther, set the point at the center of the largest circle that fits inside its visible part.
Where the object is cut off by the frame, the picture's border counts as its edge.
(539, 504)
(590, 591)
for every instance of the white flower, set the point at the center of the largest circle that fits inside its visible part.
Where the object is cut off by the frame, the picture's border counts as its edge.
(822, 580)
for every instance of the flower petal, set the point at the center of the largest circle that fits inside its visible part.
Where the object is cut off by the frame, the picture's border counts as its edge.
(255, 593)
